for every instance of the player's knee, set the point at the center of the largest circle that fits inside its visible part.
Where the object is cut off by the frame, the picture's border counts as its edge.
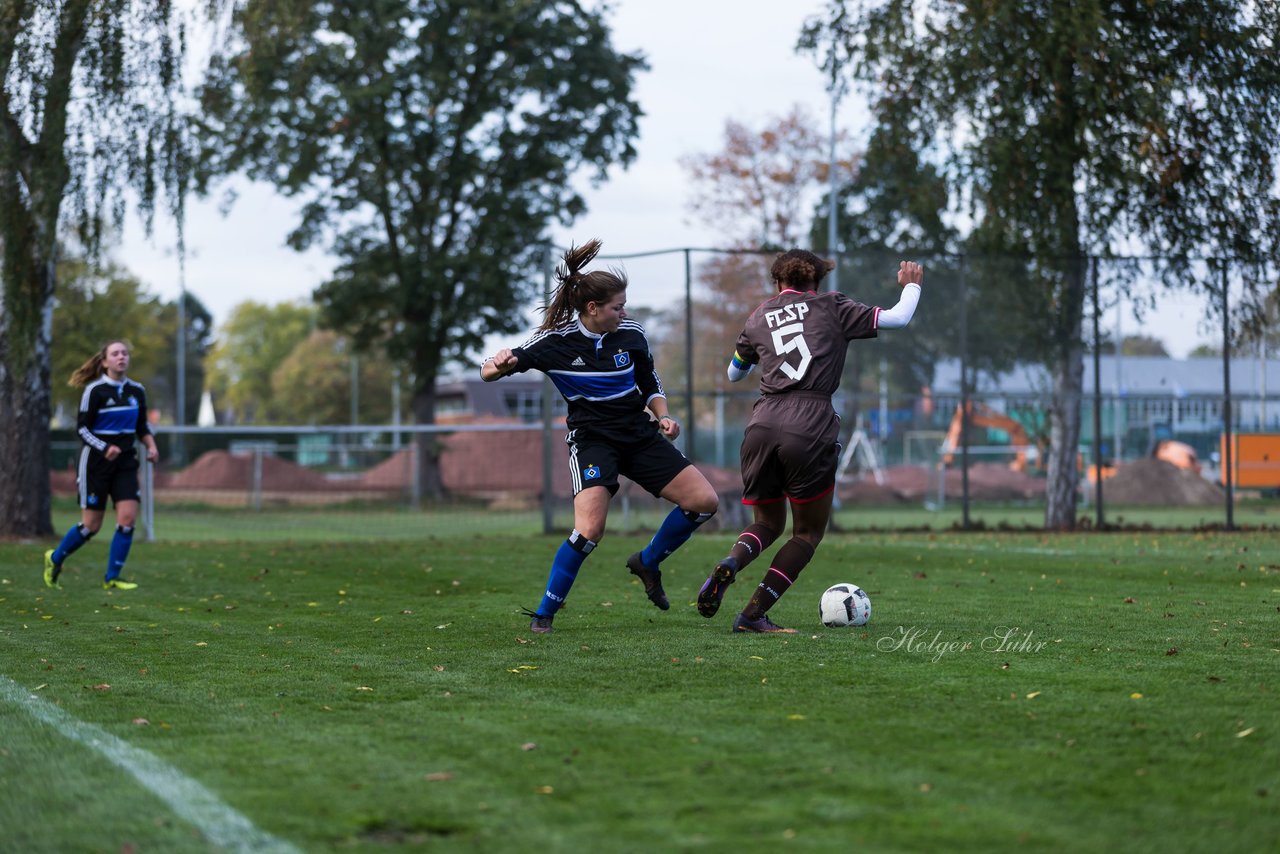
(706, 502)
(810, 535)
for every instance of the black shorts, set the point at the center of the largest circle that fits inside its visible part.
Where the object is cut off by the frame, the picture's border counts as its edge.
(651, 461)
(99, 479)
(791, 449)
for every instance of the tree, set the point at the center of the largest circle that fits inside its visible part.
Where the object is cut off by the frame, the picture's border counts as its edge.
(87, 107)
(313, 384)
(433, 141)
(94, 306)
(759, 189)
(1074, 128)
(1133, 345)
(253, 341)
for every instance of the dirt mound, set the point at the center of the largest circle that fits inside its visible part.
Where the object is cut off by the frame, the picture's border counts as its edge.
(223, 470)
(987, 482)
(502, 461)
(1153, 482)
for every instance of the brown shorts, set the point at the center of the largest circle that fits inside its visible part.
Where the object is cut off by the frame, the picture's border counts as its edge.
(791, 449)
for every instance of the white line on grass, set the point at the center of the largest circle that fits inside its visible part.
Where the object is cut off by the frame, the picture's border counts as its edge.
(220, 824)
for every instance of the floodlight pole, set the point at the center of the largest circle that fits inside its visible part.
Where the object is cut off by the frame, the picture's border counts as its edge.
(833, 236)
(548, 401)
(1227, 473)
(1097, 402)
(180, 405)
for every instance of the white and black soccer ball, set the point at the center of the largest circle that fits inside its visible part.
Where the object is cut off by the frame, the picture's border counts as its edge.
(844, 605)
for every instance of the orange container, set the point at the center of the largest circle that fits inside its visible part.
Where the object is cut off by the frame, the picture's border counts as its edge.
(1255, 459)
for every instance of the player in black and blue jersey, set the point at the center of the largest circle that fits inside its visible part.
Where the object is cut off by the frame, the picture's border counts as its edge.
(113, 416)
(618, 423)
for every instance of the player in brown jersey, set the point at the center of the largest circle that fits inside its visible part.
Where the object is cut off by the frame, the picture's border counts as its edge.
(791, 446)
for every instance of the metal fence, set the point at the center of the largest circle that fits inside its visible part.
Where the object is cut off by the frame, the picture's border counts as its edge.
(946, 421)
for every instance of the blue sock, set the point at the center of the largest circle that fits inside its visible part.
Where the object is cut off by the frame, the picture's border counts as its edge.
(564, 570)
(74, 539)
(119, 551)
(672, 534)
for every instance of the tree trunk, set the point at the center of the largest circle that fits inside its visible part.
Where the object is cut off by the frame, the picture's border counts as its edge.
(1064, 413)
(25, 407)
(424, 412)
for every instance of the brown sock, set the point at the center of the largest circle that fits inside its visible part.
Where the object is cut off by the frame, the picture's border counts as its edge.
(751, 543)
(787, 564)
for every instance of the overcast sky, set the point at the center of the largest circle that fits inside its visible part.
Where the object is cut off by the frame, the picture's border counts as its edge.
(710, 60)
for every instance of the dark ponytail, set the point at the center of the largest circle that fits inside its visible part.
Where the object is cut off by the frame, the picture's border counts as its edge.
(800, 269)
(574, 289)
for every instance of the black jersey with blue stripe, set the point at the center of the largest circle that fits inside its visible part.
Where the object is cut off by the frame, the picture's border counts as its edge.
(607, 380)
(112, 413)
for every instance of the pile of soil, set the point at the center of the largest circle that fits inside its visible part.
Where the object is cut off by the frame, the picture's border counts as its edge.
(903, 484)
(223, 470)
(1153, 482)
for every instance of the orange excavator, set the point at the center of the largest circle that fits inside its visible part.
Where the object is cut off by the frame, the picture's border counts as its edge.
(980, 415)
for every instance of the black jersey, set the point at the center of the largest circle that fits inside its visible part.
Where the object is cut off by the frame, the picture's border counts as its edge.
(607, 380)
(113, 413)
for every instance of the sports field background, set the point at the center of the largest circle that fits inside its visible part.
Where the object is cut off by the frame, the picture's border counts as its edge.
(1012, 691)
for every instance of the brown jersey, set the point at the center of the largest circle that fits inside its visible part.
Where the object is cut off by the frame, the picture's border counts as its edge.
(791, 447)
(799, 339)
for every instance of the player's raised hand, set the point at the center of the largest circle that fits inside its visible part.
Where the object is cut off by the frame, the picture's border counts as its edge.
(910, 273)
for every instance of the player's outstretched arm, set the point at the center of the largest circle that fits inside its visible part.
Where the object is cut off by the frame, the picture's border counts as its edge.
(498, 365)
(910, 279)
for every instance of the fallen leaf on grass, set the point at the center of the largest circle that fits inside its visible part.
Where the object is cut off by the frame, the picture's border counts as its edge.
(364, 688)
(1129, 600)
(756, 658)
(439, 776)
(439, 668)
(140, 722)
(795, 717)
(1250, 731)
(103, 687)
(1033, 695)
(544, 790)
(1135, 696)
(528, 745)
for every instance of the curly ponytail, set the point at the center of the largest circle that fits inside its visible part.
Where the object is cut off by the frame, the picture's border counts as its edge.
(574, 289)
(800, 269)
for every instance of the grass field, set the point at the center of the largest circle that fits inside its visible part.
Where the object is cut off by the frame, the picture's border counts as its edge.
(1012, 691)
(186, 523)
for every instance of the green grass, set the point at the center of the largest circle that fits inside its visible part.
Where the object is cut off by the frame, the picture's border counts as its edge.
(388, 695)
(373, 522)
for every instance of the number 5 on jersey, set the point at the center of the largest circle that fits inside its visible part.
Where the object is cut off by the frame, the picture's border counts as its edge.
(782, 345)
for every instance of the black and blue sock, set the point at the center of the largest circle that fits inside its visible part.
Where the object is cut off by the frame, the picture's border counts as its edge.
(120, 544)
(674, 531)
(564, 570)
(76, 537)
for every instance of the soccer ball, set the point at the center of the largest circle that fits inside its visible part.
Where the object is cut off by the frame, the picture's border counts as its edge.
(844, 605)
